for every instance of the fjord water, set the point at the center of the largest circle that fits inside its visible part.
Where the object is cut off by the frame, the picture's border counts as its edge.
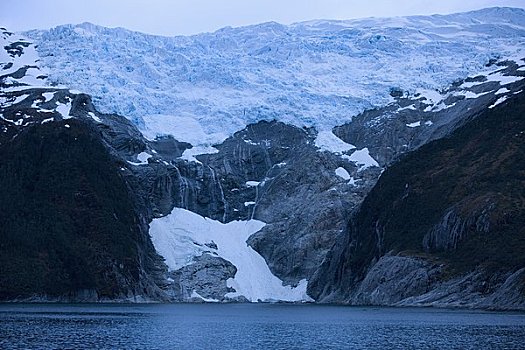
(254, 326)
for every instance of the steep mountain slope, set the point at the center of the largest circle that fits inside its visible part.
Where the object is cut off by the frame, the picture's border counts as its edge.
(255, 145)
(443, 226)
(69, 228)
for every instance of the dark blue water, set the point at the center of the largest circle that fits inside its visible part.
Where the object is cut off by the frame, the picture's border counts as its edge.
(254, 326)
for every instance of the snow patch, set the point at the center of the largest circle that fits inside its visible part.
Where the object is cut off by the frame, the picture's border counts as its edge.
(414, 125)
(498, 101)
(327, 141)
(470, 94)
(503, 79)
(20, 99)
(182, 235)
(252, 183)
(342, 173)
(194, 294)
(432, 96)
(64, 109)
(183, 127)
(353, 181)
(411, 107)
(362, 158)
(142, 157)
(97, 119)
(48, 96)
(191, 153)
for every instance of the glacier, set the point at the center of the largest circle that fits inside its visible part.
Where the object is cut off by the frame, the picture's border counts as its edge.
(311, 74)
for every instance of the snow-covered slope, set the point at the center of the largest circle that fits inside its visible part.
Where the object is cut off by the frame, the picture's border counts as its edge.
(183, 235)
(317, 73)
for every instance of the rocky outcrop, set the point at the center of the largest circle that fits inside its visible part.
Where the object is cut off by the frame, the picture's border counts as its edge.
(453, 228)
(413, 121)
(205, 279)
(395, 278)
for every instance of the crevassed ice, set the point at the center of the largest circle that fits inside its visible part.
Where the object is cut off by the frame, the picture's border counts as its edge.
(318, 73)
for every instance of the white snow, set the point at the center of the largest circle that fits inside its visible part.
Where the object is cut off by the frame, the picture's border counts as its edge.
(64, 109)
(471, 95)
(503, 79)
(252, 183)
(97, 119)
(47, 120)
(142, 158)
(247, 204)
(502, 91)
(469, 84)
(411, 107)
(190, 154)
(362, 158)
(342, 173)
(67, 126)
(429, 123)
(498, 101)
(194, 294)
(19, 99)
(327, 141)
(432, 96)
(414, 125)
(183, 127)
(181, 236)
(353, 181)
(48, 96)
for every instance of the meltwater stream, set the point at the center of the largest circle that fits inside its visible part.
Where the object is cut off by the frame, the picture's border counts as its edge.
(254, 326)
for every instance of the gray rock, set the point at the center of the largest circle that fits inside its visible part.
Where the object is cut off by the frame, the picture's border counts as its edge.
(206, 276)
(394, 278)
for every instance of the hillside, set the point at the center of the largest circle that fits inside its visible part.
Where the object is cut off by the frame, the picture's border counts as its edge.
(452, 208)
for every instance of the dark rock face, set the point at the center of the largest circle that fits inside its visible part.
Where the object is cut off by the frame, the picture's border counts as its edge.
(69, 228)
(263, 172)
(395, 278)
(446, 216)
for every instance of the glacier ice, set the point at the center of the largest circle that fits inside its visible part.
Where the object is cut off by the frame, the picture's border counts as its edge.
(315, 74)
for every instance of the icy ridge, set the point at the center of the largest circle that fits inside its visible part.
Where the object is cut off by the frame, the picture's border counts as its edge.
(317, 73)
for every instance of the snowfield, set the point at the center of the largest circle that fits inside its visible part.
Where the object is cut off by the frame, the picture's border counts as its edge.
(183, 235)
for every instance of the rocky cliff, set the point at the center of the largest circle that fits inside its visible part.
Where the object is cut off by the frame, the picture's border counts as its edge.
(443, 226)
